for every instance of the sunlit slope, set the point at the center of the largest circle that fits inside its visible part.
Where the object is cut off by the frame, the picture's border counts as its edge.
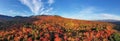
(56, 28)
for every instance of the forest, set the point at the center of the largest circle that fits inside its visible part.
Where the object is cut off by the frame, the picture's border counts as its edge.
(57, 28)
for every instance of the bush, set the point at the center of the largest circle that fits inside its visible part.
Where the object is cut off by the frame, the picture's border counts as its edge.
(115, 37)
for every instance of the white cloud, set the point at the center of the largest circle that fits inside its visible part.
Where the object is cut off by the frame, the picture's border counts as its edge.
(88, 14)
(37, 6)
(15, 13)
(92, 13)
(110, 16)
(47, 11)
(1, 13)
(89, 10)
(50, 2)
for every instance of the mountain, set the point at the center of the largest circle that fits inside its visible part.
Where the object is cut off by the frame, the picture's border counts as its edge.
(55, 28)
(108, 20)
(117, 22)
(3, 17)
(9, 18)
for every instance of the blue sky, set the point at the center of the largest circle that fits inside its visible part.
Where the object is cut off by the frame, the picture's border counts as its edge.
(76, 9)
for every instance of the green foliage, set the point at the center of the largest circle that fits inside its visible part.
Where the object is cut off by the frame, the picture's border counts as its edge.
(94, 29)
(117, 27)
(57, 15)
(115, 37)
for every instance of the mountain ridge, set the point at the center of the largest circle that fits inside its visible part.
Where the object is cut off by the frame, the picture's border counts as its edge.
(50, 27)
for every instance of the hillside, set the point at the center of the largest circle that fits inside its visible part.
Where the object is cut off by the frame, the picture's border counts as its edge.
(116, 22)
(56, 28)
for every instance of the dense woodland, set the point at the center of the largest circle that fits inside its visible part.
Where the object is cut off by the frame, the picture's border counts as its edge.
(56, 28)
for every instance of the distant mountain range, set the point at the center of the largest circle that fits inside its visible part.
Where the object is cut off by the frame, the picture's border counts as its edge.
(117, 22)
(8, 18)
(3, 17)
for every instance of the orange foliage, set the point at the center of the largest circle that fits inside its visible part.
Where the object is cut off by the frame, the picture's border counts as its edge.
(54, 28)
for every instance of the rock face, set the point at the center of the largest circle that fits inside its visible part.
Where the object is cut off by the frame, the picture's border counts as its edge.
(55, 28)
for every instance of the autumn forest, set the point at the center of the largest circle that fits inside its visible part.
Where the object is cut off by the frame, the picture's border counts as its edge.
(56, 28)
